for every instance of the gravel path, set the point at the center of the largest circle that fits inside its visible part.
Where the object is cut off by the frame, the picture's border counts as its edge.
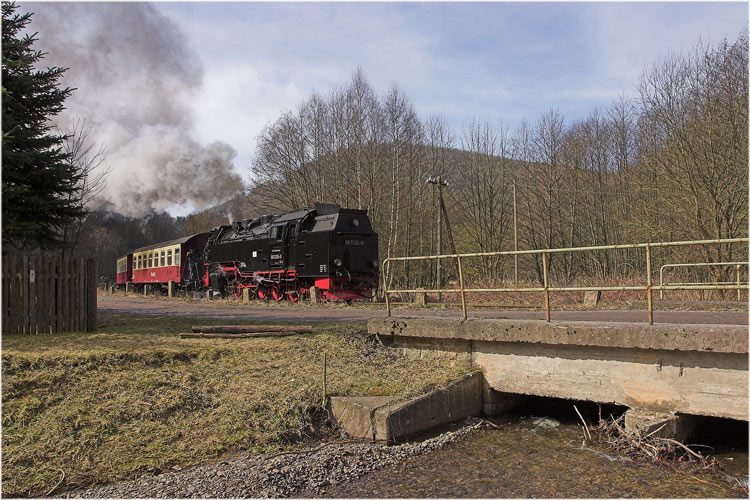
(301, 474)
(286, 311)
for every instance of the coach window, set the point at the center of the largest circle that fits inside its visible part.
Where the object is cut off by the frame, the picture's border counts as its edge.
(176, 256)
(169, 257)
(162, 258)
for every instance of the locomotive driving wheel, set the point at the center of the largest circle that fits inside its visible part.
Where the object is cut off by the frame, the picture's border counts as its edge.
(263, 293)
(293, 295)
(277, 294)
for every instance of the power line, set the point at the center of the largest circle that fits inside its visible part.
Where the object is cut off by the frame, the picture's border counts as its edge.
(619, 193)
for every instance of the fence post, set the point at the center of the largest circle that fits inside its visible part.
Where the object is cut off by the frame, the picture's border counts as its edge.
(82, 298)
(546, 285)
(649, 288)
(25, 294)
(32, 294)
(91, 312)
(461, 284)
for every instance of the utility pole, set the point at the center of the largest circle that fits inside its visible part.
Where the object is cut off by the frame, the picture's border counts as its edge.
(515, 235)
(440, 183)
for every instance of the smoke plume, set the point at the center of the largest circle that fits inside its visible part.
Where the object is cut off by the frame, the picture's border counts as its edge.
(135, 76)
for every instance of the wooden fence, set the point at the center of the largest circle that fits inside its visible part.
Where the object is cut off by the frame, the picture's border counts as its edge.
(48, 295)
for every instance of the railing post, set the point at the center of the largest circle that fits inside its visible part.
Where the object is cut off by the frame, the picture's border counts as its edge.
(739, 294)
(546, 285)
(649, 288)
(461, 284)
(385, 289)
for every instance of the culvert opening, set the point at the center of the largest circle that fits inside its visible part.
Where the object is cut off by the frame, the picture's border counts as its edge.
(564, 410)
(720, 433)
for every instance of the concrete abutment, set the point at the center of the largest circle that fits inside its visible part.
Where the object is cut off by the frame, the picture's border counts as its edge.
(663, 373)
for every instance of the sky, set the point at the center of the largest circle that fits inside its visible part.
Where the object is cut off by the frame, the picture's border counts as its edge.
(492, 60)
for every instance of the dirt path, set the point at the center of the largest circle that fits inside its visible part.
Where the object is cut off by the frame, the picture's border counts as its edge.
(285, 311)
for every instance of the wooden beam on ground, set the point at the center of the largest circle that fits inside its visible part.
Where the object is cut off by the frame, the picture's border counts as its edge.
(236, 329)
(193, 335)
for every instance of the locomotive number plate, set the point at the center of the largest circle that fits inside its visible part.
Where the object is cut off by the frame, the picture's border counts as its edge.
(323, 268)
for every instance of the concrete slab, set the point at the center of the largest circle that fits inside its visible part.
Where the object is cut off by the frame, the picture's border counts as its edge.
(377, 419)
(356, 414)
(708, 338)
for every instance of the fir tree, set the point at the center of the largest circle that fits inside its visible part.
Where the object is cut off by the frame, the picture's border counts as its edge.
(37, 177)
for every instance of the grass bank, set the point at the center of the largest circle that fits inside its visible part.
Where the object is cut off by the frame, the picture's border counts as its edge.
(134, 398)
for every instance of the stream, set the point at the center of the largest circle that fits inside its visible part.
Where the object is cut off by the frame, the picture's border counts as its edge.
(543, 457)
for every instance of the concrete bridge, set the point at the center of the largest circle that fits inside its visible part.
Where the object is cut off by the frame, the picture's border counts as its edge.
(664, 373)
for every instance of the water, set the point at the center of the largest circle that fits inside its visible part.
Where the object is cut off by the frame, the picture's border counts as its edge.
(528, 458)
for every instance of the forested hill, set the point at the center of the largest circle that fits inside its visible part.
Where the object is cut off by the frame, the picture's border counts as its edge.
(668, 164)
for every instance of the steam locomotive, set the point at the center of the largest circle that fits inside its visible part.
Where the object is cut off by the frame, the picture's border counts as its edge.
(272, 257)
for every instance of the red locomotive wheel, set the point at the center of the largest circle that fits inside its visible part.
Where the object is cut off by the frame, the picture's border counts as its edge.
(262, 294)
(278, 295)
(294, 296)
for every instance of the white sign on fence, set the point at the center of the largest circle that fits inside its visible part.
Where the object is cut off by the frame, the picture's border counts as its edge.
(32, 275)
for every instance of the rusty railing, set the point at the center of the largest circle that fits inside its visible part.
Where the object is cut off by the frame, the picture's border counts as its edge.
(649, 287)
(738, 266)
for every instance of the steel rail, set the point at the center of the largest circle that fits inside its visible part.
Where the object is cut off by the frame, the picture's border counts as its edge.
(649, 287)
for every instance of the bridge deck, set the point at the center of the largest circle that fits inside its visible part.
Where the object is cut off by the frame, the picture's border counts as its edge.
(691, 369)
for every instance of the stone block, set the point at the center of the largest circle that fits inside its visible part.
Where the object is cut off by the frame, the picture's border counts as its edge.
(356, 414)
(170, 288)
(314, 295)
(592, 298)
(666, 425)
(420, 299)
(245, 295)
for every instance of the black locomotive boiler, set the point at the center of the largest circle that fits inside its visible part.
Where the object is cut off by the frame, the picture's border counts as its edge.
(282, 256)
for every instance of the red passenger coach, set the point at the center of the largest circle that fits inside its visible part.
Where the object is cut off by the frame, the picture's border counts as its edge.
(125, 269)
(162, 262)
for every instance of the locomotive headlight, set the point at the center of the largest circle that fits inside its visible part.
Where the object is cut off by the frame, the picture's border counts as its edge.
(338, 262)
(355, 222)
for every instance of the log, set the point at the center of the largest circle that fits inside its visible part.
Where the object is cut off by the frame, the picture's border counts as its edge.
(251, 328)
(193, 335)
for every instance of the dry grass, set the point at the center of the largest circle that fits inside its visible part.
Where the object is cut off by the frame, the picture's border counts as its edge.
(135, 398)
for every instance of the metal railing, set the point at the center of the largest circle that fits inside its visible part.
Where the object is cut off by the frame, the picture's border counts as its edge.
(703, 264)
(649, 287)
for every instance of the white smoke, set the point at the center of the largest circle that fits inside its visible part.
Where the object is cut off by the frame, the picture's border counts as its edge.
(135, 76)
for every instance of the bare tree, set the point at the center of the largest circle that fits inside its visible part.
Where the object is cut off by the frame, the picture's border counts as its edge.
(87, 159)
(695, 114)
